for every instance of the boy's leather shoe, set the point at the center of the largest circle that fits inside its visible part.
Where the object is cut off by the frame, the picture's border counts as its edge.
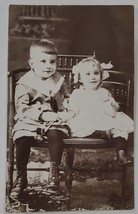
(53, 178)
(19, 185)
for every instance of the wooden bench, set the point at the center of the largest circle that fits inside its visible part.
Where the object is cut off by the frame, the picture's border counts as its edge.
(119, 83)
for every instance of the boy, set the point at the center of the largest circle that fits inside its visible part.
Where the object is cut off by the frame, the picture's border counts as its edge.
(40, 113)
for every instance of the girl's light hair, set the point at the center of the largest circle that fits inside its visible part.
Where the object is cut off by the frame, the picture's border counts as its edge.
(93, 60)
(45, 45)
(77, 69)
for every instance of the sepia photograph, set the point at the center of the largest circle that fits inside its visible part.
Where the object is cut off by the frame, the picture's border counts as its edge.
(70, 108)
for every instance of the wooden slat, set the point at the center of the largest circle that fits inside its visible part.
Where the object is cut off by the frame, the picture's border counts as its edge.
(88, 143)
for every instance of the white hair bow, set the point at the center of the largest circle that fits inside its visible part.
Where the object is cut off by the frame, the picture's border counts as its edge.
(106, 66)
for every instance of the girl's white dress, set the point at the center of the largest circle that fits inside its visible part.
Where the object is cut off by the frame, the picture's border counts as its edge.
(97, 110)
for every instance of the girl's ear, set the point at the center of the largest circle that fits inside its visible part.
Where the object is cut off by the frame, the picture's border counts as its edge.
(30, 63)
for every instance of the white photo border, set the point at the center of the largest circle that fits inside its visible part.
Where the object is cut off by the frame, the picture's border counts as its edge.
(4, 9)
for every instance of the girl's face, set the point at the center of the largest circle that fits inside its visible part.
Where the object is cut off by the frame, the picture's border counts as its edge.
(43, 64)
(90, 75)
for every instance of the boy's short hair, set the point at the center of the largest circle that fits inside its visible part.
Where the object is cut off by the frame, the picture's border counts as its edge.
(47, 46)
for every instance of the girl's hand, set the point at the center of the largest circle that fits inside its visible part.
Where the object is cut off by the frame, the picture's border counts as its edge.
(110, 109)
(115, 105)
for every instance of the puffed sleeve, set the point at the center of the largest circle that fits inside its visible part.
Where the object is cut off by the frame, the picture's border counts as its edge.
(110, 105)
(107, 97)
(22, 101)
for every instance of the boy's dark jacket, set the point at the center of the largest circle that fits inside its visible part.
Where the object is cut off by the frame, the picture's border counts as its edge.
(33, 96)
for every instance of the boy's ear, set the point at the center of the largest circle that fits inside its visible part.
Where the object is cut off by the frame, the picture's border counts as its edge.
(30, 63)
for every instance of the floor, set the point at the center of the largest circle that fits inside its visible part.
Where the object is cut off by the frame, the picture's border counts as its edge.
(96, 190)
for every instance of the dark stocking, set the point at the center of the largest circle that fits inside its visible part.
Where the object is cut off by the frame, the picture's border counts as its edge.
(23, 145)
(55, 144)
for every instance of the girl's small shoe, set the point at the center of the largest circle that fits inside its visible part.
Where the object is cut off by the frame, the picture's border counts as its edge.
(122, 159)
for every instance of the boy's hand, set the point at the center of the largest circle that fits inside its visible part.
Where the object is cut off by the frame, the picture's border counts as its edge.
(49, 116)
(65, 116)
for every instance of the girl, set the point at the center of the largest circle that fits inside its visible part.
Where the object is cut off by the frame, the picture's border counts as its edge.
(96, 110)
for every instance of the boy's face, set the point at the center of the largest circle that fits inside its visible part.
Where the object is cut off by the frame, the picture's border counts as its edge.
(43, 64)
(90, 75)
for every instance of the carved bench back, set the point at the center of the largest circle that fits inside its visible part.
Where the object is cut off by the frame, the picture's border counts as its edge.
(118, 83)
